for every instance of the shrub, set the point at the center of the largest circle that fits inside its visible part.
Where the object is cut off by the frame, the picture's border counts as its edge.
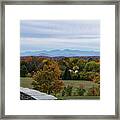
(68, 90)
(94, 91)
(80, 90)
(83, 76)
(63, 92)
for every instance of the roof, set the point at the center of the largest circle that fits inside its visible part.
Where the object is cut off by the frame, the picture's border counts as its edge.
(36, 94)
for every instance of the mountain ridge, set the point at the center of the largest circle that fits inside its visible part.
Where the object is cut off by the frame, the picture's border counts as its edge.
(57, 52)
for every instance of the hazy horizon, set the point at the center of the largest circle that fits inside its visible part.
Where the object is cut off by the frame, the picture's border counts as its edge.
(57, 52)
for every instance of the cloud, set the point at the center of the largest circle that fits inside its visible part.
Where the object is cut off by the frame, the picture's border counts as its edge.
(60, 29)
(53, 43)
(63, 34)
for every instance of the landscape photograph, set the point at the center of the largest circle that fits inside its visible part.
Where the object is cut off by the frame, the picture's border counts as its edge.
(59, 59)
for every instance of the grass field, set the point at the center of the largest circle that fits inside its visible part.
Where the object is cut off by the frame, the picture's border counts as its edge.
(27, 83)
(76, 83)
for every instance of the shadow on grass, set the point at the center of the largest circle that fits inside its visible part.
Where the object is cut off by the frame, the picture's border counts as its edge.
(79, 97)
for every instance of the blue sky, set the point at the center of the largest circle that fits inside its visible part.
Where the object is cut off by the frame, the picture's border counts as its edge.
(81, 35)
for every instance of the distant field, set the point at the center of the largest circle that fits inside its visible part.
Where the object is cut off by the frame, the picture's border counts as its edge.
(27, 82)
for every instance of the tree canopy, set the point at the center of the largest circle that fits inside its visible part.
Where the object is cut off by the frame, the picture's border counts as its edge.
(48, 79)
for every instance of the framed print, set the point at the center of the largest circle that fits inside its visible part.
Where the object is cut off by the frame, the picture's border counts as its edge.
(60, 60)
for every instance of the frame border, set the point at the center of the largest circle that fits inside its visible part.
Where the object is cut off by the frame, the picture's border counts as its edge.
(52, 2)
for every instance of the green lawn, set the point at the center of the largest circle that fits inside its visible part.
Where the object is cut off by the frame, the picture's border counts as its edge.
(27, 83)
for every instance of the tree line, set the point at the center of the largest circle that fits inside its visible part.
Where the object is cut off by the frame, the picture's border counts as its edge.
(71, 68)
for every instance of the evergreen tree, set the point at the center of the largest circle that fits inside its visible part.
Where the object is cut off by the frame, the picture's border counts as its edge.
(67, 75)
(23, 71)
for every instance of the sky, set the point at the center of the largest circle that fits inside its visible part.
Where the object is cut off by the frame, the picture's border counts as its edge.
(38, 35)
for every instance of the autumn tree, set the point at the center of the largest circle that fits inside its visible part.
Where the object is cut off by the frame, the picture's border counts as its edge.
(94, 91)
(93, 76)
(47, 79)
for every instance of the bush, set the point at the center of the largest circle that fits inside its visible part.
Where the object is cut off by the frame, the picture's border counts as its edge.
(63, 92)
(94, 91)
(68, 90)
(80, 91)
(83, 75)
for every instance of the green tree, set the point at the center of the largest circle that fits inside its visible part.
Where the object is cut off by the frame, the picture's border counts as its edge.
(91, 66)
(23, 71)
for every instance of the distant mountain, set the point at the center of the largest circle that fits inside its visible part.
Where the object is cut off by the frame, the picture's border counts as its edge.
(65, 52)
